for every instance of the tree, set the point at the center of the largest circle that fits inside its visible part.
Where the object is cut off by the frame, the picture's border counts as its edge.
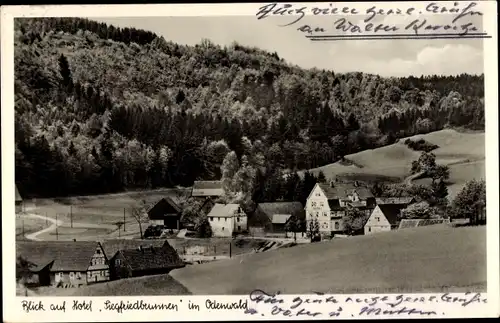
(354, 220)
(65, 71)
(203, 228)
(23, 270)
(470, 202)
(313, 230)
(229, 167)
(140, 215)
(294, 224)
(321, 177)
(421, 210)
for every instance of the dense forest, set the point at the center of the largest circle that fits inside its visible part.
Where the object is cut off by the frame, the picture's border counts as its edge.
(102, 109)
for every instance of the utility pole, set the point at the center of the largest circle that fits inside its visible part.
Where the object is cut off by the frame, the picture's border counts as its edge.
(23, 230)
(57, 234)
(71, 214)
(230, 251)
(124, 220)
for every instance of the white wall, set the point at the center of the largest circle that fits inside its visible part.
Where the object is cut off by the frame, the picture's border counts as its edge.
(317, 208)
(225, 226)
(377, 222)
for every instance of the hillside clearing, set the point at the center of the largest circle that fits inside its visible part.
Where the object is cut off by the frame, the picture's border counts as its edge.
(454, 258)
(463, 152)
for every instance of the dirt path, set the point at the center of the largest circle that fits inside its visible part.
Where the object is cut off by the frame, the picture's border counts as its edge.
(60, 223)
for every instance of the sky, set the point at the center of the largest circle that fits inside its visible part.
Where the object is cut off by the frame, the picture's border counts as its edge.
(383, 57)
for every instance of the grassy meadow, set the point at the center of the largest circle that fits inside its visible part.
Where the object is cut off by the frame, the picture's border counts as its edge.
(454, 258)
(463, 152)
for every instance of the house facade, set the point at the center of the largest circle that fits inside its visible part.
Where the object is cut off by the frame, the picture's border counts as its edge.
(385, 217)
(227, 219)
(327, 204)
(65, 263)
(166, 213)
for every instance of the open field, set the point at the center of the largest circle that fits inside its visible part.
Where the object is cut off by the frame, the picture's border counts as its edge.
(90, 212)
(27, 225)
(148, 285)
(463, 152)
(454, 258)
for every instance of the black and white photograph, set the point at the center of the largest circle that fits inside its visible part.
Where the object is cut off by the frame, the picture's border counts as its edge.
(224, 155)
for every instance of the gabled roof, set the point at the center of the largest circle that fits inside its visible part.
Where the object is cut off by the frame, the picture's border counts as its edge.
(207, 188)
(165, 206)
(291, 208)
(18, 196)
(391, 212)
(224, 210)
(65, 255)
(152, 258)
(342, 190)
(112, 246)
(394, 200)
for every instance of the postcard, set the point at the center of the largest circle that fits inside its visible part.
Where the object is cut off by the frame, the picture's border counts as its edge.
(250, 161)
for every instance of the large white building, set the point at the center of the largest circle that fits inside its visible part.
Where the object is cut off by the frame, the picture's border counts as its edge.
(327, 202)
(226, 219)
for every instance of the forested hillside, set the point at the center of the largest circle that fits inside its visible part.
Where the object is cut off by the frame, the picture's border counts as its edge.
(102, 109)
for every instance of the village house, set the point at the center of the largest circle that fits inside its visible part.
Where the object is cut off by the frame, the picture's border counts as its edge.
(227, 219)
(274, 217)
(166, 213)
(385, 217)
(19, 201)
(64, 263)
(142, 261)
(207, 192)
(327, 204)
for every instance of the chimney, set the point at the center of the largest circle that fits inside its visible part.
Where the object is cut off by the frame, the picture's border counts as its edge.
(332, 183)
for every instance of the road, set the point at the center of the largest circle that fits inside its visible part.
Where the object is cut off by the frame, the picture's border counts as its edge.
(60, 223)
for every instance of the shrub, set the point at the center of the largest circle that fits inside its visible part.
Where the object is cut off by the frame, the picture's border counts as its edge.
(420, 145)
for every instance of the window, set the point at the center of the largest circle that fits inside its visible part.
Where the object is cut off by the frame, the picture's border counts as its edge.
(239, 228)
(222, 228)
(225, 219)
(211, 218)
(98, 251)
(377, 218)
(238, 219)
(78, 275)
(318, 194)
(317, 214)
(71, 274)
(313, 204)
(118, 262)
(321, 204)
(325, 213)
(369, 229)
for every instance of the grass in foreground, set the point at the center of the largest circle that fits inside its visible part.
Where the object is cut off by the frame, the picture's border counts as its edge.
(430, 259)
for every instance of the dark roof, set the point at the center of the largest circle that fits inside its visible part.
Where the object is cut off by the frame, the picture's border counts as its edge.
(342, 190)
(391, 212)
(112, 246)
(152, 258)
(165, 207)
(276, 211)
(66, 255)
(207, 188)
(18, 196)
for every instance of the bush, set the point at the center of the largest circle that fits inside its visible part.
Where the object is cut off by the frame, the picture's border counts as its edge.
(420, 145)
